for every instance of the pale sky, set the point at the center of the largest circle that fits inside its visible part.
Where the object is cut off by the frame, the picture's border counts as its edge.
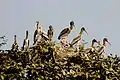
(100, 18)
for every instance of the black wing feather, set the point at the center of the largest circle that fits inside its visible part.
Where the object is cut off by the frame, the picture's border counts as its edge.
(23, 44)
(66, 30)
(35, 35)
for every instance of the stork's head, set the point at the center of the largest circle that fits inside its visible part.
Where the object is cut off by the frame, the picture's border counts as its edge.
(37, 22)
(50, 27)
(83, 29)
(72, 25)
(15, 39)
(94, 40)
(105, 40)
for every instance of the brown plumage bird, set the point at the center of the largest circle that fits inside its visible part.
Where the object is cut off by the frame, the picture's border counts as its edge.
(37, 33)
(91, 48)
(14, 45)
(101, 49)
(65, 32)
(50, 33)
(78, 38)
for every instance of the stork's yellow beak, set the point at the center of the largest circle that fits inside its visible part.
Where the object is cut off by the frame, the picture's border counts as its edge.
(109, 43)
(86, 32)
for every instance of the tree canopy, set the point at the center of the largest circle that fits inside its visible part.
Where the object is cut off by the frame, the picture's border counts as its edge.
(49, 61)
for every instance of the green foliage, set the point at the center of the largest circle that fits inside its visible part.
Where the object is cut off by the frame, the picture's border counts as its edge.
(49, 61)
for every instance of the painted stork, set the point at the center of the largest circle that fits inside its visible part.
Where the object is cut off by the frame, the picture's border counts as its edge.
(64, 34)
(26, 42)
(50, 33)
(78, 38)
(101, 49)
(91, 48)
(14, 45)
(38, 32)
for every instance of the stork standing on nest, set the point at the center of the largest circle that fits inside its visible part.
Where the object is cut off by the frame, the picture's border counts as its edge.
(101, 49)
(37, 33)
(26, 42)
(91, 49)
(78, 38)
(14, 45)
(64, 33)
(50, 33)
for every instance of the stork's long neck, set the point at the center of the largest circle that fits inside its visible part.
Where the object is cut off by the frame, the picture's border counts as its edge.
(80, 34)
(104, 42)
(26, 36)
(37, 26)
(102, 47)
(15, 40)
(92, 44)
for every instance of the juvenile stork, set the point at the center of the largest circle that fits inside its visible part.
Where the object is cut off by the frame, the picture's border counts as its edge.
(14, 45)
(65, 32)
(26, 42)
(78, 38)
(50, 33)
(101, 49)
(91, 49)
(37, 33)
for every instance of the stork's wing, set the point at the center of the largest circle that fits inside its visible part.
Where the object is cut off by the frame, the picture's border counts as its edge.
(75, 40)
(66, 30)
(35, 33)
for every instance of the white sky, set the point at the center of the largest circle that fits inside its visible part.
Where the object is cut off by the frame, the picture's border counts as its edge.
(100, 18)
